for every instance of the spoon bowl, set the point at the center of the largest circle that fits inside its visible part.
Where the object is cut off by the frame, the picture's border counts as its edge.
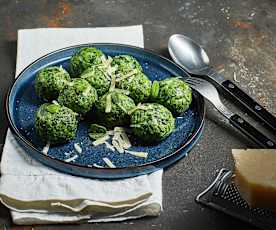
(187, 53)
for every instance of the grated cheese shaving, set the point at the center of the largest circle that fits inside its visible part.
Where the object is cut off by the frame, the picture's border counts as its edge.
(97, 166)
(137, 154)
(122, 140)
(136, 125)
(108, 103)
(131, 73)
(117, 146)
(103, 59)
(123, 91)
(111, 70)
(78, 148)
(110, 59)
(106, 62)
(122, 130)
(67, 154)
(70, 83)
(126, 140)
(119, 129)
(112, 84)
(55, 102)
(46, 148)
(73, 158)
(101, 140)
(109, 146)
(108, 162)
(110, 132)
(139, 106)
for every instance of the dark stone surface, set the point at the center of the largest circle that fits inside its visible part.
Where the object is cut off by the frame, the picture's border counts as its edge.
(239, 37)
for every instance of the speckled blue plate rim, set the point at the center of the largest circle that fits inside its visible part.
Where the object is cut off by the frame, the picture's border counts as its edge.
(105, 172)
(110, 173)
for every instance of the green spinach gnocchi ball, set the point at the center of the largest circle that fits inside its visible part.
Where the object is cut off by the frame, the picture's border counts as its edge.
(138, 85)
(113, 107)
(173, 93)
(83, 59)
(152, 122)
(98, 79)
(55, 123)
(78, 95)
(50, 81)
(126, 64)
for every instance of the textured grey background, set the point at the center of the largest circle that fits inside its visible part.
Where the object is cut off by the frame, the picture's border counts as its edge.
(239, 37)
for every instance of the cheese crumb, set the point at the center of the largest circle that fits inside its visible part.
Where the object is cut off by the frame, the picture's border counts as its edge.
(46, 148)
(137, 154)
(109, 163)
(101, 140)
(78, 148)
(109, 146)
(97, 166)
(73, 158)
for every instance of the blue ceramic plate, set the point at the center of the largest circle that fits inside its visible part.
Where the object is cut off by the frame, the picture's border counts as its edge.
(22, 103)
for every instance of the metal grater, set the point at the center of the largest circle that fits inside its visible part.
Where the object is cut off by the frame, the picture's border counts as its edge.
(224, 196)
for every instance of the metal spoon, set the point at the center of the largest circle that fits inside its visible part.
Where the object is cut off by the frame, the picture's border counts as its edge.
(192, 57)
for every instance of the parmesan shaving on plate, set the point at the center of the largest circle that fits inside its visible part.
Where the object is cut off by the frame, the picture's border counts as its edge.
(112, 83)
(119, 142)
(67, 154)
(131, 73)
(70, 83)
(108, 103)
(117, 146)
(123, 91)
(78, 148)
(46, 148)
(73, 158)
(109, 146)
(120, 129)
(101, 140)
(111, 70)
(97, 166)
(122, 140)
(139, 106)
(107, 65)
(126, 140)
(121, 137)
(137, 154)
(108, 162)
(110, 132)
(104, 60)
(55, 102)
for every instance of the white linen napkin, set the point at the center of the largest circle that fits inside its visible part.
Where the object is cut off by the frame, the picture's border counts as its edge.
(36, 194)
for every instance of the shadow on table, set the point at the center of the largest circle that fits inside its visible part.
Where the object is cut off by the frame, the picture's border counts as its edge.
(7, 62)
(5, 217)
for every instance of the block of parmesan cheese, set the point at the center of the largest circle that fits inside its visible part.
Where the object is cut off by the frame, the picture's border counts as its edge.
(255, 176)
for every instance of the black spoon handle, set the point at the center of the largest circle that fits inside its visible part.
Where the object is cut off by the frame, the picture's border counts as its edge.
(251, 132)
(251, 105)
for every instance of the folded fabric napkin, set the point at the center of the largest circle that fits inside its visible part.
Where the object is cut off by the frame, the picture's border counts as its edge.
(36, 194)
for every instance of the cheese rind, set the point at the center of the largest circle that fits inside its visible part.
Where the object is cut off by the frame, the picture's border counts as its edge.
(255, 176)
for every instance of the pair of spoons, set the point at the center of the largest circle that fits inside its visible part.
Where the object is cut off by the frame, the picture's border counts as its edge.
(192, 57)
